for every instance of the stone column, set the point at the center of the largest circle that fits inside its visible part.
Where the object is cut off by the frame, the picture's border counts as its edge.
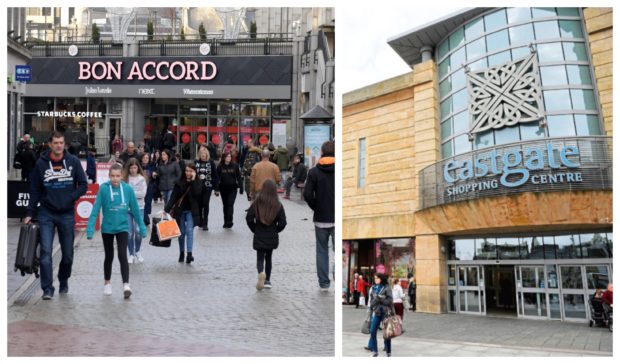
(431, 274)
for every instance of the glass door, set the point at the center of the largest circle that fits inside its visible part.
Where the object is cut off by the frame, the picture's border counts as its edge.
(470, 297)
(531, 292)
(193, 132)
(573, 292)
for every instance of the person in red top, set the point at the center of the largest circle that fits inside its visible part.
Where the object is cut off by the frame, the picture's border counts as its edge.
(608, 296)
(357, 286)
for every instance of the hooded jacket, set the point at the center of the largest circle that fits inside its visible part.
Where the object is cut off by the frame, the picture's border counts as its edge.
(319, 190)
(281, 158)
(116, 203)
(56, 185)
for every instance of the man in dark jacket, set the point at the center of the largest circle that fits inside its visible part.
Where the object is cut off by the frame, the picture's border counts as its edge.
(28, 159)
(169, 141)
(319, 194)
(130, 152)
(299, 176)
(57, 181)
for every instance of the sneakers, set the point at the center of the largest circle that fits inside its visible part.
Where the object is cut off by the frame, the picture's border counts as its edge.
(374, 355)
(261, 281)
(47, 296)
(267, 284)
(139, 257)
(126, 290)
(324, 289)
(107, 289)
(130, 259)
(64, 287)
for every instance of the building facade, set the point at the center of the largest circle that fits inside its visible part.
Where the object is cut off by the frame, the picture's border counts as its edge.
(254, 86)
(492, 159)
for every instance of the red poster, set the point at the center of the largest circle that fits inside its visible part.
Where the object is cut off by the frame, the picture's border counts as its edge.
(185, 138)
(234, 138)
(216, 129)
(84, 206)
(245, 129)
(201, 138)
(262, 130)
(215, 138)
(263, 139)
(245, 138)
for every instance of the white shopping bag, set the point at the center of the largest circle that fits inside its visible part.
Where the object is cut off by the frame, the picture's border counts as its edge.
(362, 301)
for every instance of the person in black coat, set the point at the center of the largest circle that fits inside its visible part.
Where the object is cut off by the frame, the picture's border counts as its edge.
(299, 176)
(230, 181)
(28, 159)
(184, 204)
(266, 219)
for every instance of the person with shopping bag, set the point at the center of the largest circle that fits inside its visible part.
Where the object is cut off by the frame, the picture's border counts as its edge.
(379, 306)
(184, 206)
(116, 199)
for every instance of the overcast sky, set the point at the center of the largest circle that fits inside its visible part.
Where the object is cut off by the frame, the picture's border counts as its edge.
(367, 58)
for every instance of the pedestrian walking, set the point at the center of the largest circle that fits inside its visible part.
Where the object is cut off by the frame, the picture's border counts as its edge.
(398, 295)
(411, 293)
(299, 176)
(263, 171)
(230, 181)
(169, 140)
(57, 182)
(208, 174)
(148, 167)
(116, 158)
(117, 145)
(131, 152)
(116, 200)
(358, 286)
(319, 194)
(184, 205)
(91, 165)
(133, 174)
(282, 160)
(168, 173)
(266, 219)
(251, 158)
(28, 159)
(380, 305)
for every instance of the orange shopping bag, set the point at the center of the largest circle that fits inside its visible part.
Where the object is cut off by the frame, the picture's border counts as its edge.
(168, 228)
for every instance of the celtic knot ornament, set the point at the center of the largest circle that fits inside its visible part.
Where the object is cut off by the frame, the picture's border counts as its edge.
(504, 95)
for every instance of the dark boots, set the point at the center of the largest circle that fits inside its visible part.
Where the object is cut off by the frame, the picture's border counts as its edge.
(189, 258)
(181, 257)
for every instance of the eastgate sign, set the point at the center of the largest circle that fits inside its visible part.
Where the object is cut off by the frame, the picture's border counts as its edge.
(513, 168)
(162, 70)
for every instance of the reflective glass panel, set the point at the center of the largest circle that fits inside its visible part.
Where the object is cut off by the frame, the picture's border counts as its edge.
(459, 100)
(508, 248)
(507, 134)
(445, 107)
(532, 304)
(479, 64)
(484, 139)
(568, 11)
(472, 276)
(518, 14)
(457, 38)
(446, 149)
(445, 86)
(444, 48)
(476, 49)
(499, 58)
(457, 58)
(557, 100)
(583, 99)
(495, 20)
(474, 29)
(446, 129)
(461, 144)
(594, 246)
(543, 12)
(610, 243)
(521, 34)
(575, 51)
(461, 122)
(473, 304)
(458, 80)
(553, 75)
(571, 277)
(531, 131)
(462, 300)
(549, 246)
(587, 124)
(549, 52)
(528, 277)
(554, 306)
(568, 246)
(574, 306)
(464, 249)
(578, 75)
(552, 276)
(571, 29)
(547, 29)
(497, 40)
(520, 52)
(486, 249)
(452, 275)
(531, 248)
(597, 276)
(444, 68)
(560, 125)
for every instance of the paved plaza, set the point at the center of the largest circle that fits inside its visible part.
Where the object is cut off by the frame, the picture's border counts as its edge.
(208, 308)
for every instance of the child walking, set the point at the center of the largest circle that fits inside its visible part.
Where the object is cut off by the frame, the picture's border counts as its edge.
(116, 199)
(266, 219)
(133, 174)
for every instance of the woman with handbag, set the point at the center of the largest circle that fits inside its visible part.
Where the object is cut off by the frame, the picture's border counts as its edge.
(398, 295)
(168, 172)
(116, 199)
(266, 219)
(380, 305)
(230, 181)
(184, 206)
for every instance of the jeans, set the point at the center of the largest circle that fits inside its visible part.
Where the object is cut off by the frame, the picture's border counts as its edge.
(288, 184)
(372, 343)
(187, 229)
(108, 247)
(263, 261)
(282, 178)
(204, 207)
(228, 200)
(64, 222)
(322, 254)
(166, 195)
(135, 239)
(148, 202)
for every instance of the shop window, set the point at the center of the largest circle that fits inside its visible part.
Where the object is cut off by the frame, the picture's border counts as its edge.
(549, 52)
(361, 177)
(495, 20)
(594, 246)
(280, 109)
(516, 15)
(547, 29)
(578, 75)
(571, 277)
(464, 249)
(568, 247)
(497, 41)
(256, 109)
(543, 12)
(560, 125)
(486, 249)
(575, 51)
(521, 34)
(552, 276)
(597, 277)
(571, 29)
(474, 29)
(476, 49)
(549, 247)
(553, 75)
(508, 248)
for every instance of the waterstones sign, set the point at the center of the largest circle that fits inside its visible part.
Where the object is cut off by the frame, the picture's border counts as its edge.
(531, 166)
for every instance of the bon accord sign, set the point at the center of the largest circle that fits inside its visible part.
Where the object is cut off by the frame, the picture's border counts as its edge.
(553, 164)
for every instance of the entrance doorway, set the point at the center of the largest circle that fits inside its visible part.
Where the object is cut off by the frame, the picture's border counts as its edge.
(499, 288)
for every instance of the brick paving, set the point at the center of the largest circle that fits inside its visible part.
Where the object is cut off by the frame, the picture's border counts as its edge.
(208, 308)
(457, 335)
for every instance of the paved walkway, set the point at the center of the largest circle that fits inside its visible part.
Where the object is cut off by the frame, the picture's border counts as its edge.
(208, 308)
(463, 335)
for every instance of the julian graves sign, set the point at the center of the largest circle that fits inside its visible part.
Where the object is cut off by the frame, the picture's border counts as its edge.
(543, 165)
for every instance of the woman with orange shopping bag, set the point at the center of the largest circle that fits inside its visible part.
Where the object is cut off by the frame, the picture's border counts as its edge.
(116, 200)
(184, 206)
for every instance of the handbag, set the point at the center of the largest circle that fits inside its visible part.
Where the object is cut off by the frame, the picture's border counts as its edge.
(155, 241)
(366, 325)
(392, 325)
(168, 229)
(362, 300)
(176, 208)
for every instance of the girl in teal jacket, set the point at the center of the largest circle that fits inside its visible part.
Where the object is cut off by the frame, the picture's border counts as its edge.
(116, 199)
